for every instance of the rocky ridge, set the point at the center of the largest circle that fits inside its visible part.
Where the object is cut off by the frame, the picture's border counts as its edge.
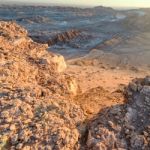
(61, 37)
(33, 111)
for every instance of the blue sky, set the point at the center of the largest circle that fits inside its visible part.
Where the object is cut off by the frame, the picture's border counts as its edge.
(113, 3)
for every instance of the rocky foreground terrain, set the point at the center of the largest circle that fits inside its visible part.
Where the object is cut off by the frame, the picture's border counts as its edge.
(34, 112)
(49, 104)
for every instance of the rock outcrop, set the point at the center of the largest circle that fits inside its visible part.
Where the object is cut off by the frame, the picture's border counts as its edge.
(110, 43)
(124, 126)
(58, 38)
(35, 110)
(35, 19)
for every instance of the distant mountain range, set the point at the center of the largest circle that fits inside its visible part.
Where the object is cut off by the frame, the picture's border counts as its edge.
(77, 29)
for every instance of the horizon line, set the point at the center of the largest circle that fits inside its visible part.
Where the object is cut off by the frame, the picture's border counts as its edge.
(67, 5)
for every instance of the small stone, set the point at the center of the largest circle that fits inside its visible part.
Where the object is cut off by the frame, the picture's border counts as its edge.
(147, 99)
(139, 88)
(48, 147)
(129, 93)
(147, 80)
(14, 139)
(145, 133)
(96, 129)
(111, 123)
(26, 148)
(8, 120)
(12, 127)
(98, 136)
(22, 135)
(127, 131)
(137, 141)
(133, 87)
(19, 146)
(5, 114)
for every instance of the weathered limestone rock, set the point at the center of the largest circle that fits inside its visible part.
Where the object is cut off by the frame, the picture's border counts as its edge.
(60, 62)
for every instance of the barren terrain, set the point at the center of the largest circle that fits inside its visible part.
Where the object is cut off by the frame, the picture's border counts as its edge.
(95, 96)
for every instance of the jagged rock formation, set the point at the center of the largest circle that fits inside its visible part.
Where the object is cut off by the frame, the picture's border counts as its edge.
(124, 126)
(35, 19)
(58, 38)
(112, 42)
(33, 111)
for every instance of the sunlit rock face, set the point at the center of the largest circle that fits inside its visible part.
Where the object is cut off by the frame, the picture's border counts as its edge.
(35, 110)
(24, 62)
(12, 30)
(14, 38)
